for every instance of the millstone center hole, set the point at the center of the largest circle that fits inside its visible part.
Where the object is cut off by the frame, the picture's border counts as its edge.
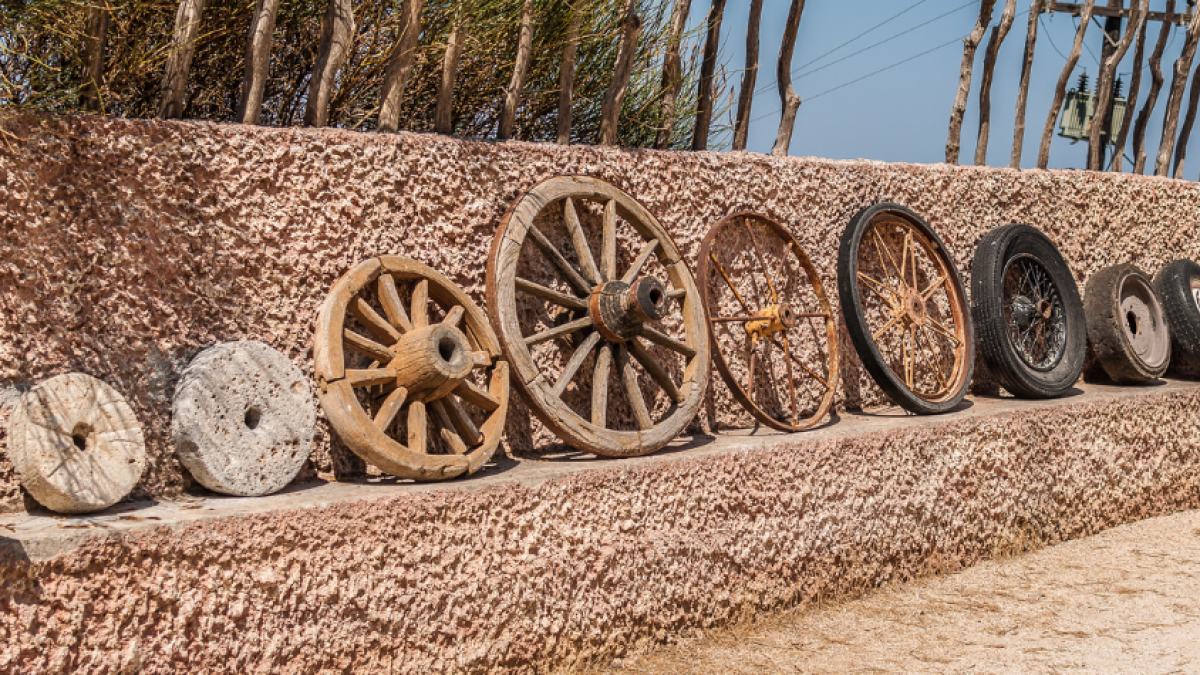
(253, 417)
(1132, 321)
(447, 349)
(80, 435)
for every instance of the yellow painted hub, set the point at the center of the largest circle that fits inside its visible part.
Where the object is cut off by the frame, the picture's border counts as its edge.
(769, 321)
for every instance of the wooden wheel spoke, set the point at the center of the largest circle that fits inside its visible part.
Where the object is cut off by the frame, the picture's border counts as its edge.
(608, 253)
(420, 304)
(372, 377)
(389, 298)
(579, 241)
(942, 330)
(676, 293)
(417, 432)
(480, 360)
(446, 429)
(574, 363)
(761, 261)
(550, 295)
(928, 292)
(462, 422)
(558, 331)
(635, 269)
(664, 340)
(805, 368)
(390, 408)
(366, 346)
(477, 397)
(552, 254)
(454, 317)
(887, 326)
(376, 325)
(600, 374)
(655, 370)
(729, 282)
(633, 392)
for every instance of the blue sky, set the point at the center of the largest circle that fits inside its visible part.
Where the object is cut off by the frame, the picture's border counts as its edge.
(902, 114)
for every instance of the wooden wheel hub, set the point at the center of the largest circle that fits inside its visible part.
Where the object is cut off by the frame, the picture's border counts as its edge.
(772, 320)
(430, 362)
(618, 309)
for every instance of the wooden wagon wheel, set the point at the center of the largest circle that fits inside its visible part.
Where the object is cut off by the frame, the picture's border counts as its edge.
(770, 321)
(426, 364)
(571, 322)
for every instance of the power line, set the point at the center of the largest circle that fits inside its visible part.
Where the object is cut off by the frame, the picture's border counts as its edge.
(1050, 38)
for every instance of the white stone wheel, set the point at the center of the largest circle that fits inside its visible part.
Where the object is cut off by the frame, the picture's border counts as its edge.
(388, 369)
(577, 312)
(76, 444)
(243, 419)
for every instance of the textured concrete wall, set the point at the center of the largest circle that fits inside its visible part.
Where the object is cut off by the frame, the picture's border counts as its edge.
(592, 566)
(128, 246)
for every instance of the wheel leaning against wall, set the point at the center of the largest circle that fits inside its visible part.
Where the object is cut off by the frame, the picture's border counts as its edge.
(906, 309)
(573, 324)
(389, 371)
(1178, 288)
(1028, 312)
(1127, 329)
(776, 328)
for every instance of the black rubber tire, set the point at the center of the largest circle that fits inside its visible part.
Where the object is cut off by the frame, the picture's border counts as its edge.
(995, 252)
(1175, 284)
(1109, 335)
(860, 333)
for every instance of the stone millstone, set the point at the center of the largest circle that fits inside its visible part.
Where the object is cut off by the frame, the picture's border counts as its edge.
(243, 419)
(76, 444)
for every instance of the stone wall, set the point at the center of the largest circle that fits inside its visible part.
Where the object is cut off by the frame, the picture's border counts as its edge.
(127, 246)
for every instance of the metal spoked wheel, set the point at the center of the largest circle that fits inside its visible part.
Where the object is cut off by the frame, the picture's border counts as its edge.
(906, 309)
(772, 327)
(401, 351)
(1035, 315)
(599, 317)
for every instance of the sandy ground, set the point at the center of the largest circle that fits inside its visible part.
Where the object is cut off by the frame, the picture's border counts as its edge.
(1124, 601)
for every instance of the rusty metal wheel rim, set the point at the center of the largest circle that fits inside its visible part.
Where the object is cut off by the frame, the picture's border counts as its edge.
(363, 354)
(1034, 313)
(759, 303)
(922, 333)
(592, 342)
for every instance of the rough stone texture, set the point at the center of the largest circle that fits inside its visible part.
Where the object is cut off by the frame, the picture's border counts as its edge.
(127, 246)
(76, 444)
(598, 564)
(243, 419)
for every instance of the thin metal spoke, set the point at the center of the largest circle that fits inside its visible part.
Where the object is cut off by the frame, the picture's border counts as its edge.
(633, 392)
(928, 292)
(887, 326)
(787, 361)
(549, 294)
(664, 340)
(942, 330)
(390, 408)
(635, 269)
(600, 374)
(752, 356)
(573, 365)
(932, 359)
(904, 354)
(608, 253)
(729, 282)
(376, 325)
(761, 261)
(420, 304)
(881, 250)
(800, 363)
(555, 257)
(904, 257)
(874, 286)
(366, 346)
(655, 370)
(579, 241)
(558, 331)
(389, 298)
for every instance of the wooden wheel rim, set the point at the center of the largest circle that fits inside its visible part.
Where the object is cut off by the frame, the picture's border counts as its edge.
(915, 354)
(546, 404)
(357, 428)
(734, 383)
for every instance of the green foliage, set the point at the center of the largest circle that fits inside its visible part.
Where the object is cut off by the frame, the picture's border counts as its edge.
(42, 63)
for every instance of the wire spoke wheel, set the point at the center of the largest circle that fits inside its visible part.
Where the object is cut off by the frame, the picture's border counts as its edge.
(1034, 313)
(408, 372)
(906, 309)
(599, 317)
(772, 327)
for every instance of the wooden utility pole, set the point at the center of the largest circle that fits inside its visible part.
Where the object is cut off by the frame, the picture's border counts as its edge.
(783, 77)
(512, 95)
(1156, 83)
(1111, 57)
(1060, 90)
(970, 44)
(985, 83)
(1179, 77)
(1023, 89)
(614, 98)
(672, 75)
(741, 128)
(708, 70)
